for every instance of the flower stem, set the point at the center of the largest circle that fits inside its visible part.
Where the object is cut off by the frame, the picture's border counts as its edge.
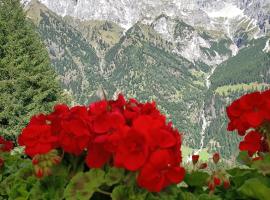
(103, 192)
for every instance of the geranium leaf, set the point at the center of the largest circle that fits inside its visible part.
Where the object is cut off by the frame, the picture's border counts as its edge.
(196, 179)
(263, 165)
(255, 188)
(114, 175)
(120, 193)
(208, 197)
(243, 158)
(83, 185)
(188, 196)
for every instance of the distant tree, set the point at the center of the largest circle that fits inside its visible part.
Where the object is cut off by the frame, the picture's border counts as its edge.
(28, 85)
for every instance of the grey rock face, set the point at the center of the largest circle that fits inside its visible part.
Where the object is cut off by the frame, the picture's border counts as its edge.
(194, 12)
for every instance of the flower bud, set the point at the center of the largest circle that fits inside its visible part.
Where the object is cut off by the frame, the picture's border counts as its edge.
(211, 186)
(47, 171)
(203, 166)
(38, 172)
(49, 163)
(35, 161)
(2, 162)
(195, 159)
(56, 160)
(226, 184)
(257, 158)
(216, 157)
(217, 181)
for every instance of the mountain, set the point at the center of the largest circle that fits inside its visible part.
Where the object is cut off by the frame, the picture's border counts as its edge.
(127, 12)
(192, 57)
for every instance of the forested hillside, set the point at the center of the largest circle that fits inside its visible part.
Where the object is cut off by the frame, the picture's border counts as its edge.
(167, 60)
(250, 65)
(28, 84)
(248, 71)
(139, 64)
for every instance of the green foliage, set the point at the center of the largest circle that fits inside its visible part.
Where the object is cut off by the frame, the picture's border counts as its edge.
(51, 187)
(123, 192)
(196, 179)
(72, 57)
(244, 158)
(263, 166)
(256, 188)
(18, 182)
(114, 176)
(83, 185)
(120, 193)
(28, 84)
(17, 178)
(251, 64)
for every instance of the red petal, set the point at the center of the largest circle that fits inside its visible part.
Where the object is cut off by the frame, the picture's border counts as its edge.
(176, 174)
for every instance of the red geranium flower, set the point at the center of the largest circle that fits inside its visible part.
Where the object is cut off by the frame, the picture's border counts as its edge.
(154, 131)
(102, 147)
(104, 117)
(132, 150)
(75, 132)
(252, 142)
(127, 134)
(160, 171)
(97, 155)
(37, 137)
(5, 145)
(246, 112)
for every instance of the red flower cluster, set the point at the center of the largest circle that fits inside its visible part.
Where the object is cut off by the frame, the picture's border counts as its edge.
(250, 116)
(5, 146)
(125, 134)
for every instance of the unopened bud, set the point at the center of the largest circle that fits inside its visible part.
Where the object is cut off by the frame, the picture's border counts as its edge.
(38, 172)
(35, 161)
(195, 159)
(216, 157)
(47, 171)
(226, 184)
(203, 166)
(211, 186)
(56, 160)
(217, 181)
(2, 162)
(257, 158)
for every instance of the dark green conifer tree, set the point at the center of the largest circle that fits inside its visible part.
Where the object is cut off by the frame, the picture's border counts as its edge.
(28, 85)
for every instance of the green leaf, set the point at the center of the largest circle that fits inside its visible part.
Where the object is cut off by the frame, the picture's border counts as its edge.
(114, 175)
(262, 165)
(83, 185)
(255, 188)
(243, 158)
(120, 193)
(188, 196)
(239, 176)
(197, 179)
(51, 187)
(209, 197)
(124, 192)
(17, 184)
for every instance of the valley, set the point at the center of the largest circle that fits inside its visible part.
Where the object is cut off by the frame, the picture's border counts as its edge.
(192, 67)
